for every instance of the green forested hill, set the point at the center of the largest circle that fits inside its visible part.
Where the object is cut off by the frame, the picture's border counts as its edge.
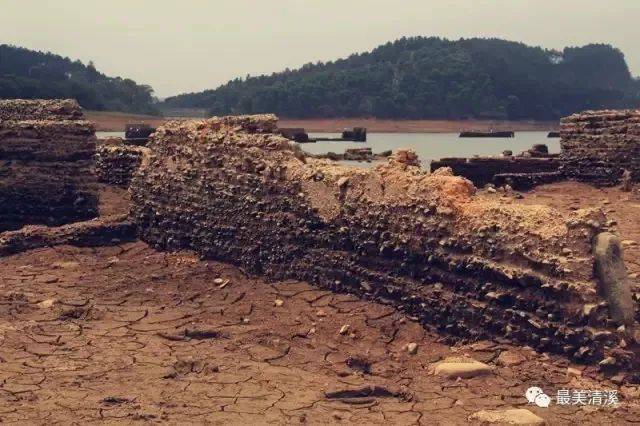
(435, 78)
(29, 74)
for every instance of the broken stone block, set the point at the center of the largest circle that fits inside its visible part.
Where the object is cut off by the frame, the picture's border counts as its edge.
(613, 279)
(512, 416)
(461, 367)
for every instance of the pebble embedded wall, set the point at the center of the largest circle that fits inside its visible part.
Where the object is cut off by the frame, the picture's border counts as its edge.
(598, 146)
(46, 152)
(233, 190)
(116, 164)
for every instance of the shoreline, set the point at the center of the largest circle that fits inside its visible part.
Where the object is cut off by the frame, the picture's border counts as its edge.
(373, 125)
(107, 121)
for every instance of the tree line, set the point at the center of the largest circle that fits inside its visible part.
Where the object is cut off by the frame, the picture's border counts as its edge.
(30, 74)
(419, 78)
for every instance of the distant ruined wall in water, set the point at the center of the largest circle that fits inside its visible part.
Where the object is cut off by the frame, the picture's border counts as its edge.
(483, 170)
(598, 146)
(46, 152)
(234, 190)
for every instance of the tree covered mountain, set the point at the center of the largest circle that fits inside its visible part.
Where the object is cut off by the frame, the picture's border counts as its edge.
(420, 77)
(29, 74)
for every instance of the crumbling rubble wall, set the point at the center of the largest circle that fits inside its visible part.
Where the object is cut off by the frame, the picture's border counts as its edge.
(233, 190)
(598, 146)
(483, 170)
(46, 152)
(115, 164)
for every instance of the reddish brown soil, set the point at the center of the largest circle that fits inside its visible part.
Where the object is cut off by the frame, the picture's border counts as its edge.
(138, 336)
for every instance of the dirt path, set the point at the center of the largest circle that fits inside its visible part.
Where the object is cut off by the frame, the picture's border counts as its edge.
(130, 335)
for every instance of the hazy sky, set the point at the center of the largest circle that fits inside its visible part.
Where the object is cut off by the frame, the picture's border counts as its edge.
(191, 45)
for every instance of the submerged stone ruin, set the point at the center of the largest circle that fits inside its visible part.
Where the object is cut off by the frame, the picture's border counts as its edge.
(46, 152)
(599, 146)
(234, 190)
(520, 172)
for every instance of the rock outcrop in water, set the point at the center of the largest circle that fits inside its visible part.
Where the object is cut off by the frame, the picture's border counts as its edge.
(232, 189)
(46, 151)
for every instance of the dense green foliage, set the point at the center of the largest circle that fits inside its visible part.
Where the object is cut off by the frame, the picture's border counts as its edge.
(29, 74)
(435, 78)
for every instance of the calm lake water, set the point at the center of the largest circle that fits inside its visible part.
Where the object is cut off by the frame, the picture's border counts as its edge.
(428, 146)
(433, 146)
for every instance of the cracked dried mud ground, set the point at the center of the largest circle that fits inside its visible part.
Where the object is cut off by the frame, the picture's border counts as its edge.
(126, 334)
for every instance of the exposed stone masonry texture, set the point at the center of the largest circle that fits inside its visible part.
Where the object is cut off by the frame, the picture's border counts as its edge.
(520, 170)
(234, 190)
(115, 164)
(46, 152)
(598, 146)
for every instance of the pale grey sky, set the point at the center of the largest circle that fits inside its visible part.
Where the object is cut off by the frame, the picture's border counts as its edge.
(191, 45)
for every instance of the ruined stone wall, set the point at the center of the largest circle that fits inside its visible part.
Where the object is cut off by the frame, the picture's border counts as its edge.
(46, 152)
(597, 146)
(233, 190)
(526, 181)
(115, 164)
(482, 170)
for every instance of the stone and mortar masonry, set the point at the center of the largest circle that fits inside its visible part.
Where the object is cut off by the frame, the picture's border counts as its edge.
(598, 146)
(232, 189)
(46, 152)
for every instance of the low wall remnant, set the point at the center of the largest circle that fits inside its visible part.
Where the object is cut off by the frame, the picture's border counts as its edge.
(235, 190)
(116, 164)
(599, 146)
(46, 151)
(483, 170)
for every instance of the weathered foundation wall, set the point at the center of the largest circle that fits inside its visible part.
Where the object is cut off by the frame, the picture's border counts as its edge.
(46, 152)
(598, 146)
(483, 170)
(232, 189)
(526, 181)
(115, 164)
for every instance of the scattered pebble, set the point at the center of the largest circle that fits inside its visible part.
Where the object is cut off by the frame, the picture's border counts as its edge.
(47, 279)
(509, 358)
(412, 348)
(574, 372)
(344, 329)
(321, 313)
(46, 304)
(278, 302)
